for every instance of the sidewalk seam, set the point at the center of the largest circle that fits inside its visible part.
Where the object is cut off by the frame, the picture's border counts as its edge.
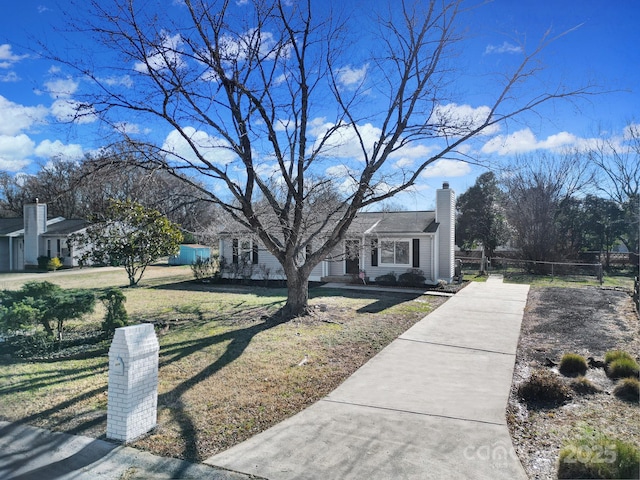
(341, 402)
(455, 346)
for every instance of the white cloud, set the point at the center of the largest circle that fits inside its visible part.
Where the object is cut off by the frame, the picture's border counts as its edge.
(506, 47)
(407, 155)
(68, 110)
(15, 152)
(129, 128)
(57, 149)
(404, 162)
(123, 81)
(338, 171)
(9, 77)
(631, 131)
(14, 117)
(61, 88)
(164, 56)
(447, 168)
(213, 149)
(524, 141)
(457, 120)
(344, 142)
(351, 77)
(7, 57)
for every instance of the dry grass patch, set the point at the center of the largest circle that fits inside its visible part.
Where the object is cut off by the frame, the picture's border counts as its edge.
(591, 322)
(227, 371)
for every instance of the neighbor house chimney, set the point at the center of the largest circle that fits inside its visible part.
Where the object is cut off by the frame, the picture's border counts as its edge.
(35, 224)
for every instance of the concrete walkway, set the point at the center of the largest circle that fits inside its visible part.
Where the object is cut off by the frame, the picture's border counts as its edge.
(429, 406)
(30, 453)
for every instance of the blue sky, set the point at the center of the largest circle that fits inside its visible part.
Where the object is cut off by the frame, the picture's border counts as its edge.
(36, 95)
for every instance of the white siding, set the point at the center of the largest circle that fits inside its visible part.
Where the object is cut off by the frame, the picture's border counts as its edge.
(426, 260)
(267, 265)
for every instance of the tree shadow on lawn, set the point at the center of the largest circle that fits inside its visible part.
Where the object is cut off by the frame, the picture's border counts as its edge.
(226, 287)
(381, 300)
(239, 339)
(68, 422)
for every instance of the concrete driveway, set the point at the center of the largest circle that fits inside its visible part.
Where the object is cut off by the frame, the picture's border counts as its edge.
(429, 406)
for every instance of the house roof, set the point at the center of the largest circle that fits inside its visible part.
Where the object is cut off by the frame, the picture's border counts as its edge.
(385, 223)
(379, 223)
(66, 227)
(11, 225)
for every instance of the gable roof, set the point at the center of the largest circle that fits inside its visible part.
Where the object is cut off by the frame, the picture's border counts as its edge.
(376, 223)
(66, 227)
(14, 227)
(386, 223)
(11, 225)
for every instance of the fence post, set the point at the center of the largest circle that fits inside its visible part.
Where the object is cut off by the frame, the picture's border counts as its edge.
(600, 274)
(636, 294)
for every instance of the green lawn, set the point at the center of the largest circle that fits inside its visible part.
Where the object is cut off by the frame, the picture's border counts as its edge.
(227, 371)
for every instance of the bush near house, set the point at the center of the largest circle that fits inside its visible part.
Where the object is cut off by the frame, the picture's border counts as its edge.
(54, 264)
(206, 268)
(388, 279)
(412, 278)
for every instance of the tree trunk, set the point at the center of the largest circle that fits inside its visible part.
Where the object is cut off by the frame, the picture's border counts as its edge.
(297, 295)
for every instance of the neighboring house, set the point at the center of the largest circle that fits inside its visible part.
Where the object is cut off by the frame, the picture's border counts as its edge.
(377, 243)
(23, 240)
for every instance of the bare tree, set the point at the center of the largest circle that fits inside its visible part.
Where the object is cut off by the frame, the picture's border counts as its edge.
(539, 190)
(260, 93)
(618, 165)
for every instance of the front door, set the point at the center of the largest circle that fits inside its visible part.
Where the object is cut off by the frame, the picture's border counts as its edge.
(352, 257)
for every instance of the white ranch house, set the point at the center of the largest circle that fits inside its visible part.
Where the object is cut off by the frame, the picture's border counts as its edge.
(23, 240)
(377, 243)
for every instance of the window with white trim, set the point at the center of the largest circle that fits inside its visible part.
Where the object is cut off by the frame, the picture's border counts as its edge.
(395, 252)
(245, 248)
(245, 251)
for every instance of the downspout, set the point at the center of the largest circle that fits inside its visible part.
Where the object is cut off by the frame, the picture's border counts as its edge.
(11, 254)
(362, 256)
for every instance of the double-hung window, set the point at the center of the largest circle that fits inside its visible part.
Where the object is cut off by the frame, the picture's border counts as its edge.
(245, 251)
(395, 252)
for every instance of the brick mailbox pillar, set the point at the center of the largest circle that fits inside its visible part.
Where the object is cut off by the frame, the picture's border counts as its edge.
(133, 382)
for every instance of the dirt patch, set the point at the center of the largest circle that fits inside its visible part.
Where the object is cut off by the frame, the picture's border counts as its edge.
(588, 321)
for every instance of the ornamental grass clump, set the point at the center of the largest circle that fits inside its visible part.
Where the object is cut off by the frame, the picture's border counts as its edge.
(544, 389)
(623, 368)
(614, 355)
(583, 386)
(628, 389)
(595, 455)
(573, 365)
